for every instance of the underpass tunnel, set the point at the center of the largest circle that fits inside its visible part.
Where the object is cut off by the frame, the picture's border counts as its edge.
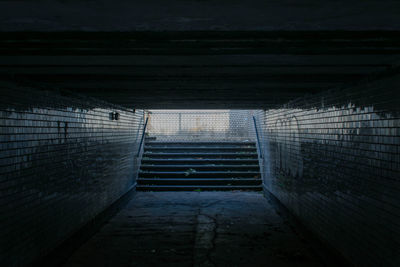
(203, 133)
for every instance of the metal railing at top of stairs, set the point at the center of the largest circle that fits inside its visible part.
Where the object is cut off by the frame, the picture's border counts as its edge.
(258, 138)
(142, 138)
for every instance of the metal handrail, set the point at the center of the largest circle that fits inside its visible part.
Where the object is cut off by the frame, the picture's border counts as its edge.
(258, 138)
(141, 140)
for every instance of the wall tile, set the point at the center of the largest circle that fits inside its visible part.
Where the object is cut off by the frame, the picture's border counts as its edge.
(333, 160)
(62, 161)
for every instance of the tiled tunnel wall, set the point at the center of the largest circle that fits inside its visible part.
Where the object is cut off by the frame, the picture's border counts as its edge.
(333, 160)
(63, 161)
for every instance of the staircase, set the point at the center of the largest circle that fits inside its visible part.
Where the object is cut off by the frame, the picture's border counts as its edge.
(188, 166)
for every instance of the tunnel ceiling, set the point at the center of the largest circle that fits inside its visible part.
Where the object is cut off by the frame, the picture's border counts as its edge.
(197, 54)
(199, 15)
(196, 69)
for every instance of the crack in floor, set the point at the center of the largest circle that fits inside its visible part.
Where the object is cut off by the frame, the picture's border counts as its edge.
(214, 238)
(205, 237)
(197, 229)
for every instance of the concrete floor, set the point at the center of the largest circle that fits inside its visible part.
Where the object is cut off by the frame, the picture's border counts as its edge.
(196, 229)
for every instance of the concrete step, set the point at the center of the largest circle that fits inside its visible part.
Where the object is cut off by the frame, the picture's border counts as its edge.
(196, 162)
(195, 149)
(186, 166)
(200, 144)
(199, 174)
(191, 155)
(210, 167)
(201, 181)
(199, 188)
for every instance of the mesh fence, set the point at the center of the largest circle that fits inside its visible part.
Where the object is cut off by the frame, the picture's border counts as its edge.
(201, 125)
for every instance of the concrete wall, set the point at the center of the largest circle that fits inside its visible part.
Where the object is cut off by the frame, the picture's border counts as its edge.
(333, 160)
(62, 161)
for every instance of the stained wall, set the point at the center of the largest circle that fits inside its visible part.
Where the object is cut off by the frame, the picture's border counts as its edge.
(333, 159)
(63, 160)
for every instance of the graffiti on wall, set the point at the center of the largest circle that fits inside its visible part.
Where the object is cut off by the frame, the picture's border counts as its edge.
(288, 156)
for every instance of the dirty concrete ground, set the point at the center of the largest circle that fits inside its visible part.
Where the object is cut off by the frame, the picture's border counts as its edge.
(196, 229)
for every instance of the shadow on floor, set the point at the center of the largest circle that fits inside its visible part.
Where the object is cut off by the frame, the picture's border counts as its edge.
(196, 229)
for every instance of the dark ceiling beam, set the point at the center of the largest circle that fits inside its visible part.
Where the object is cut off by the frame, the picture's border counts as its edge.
(190, 71)
(201, 43)
(197, 78)
(164, 87)
(199, 60)
(194, 15)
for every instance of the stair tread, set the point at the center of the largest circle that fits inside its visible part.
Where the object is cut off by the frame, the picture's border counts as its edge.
(198, 147)
(208, 172)
(200, 142)
(202, 179)
(202, 186)
(205, 157)
(200, 166)
(195, 153)
(197, 160)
